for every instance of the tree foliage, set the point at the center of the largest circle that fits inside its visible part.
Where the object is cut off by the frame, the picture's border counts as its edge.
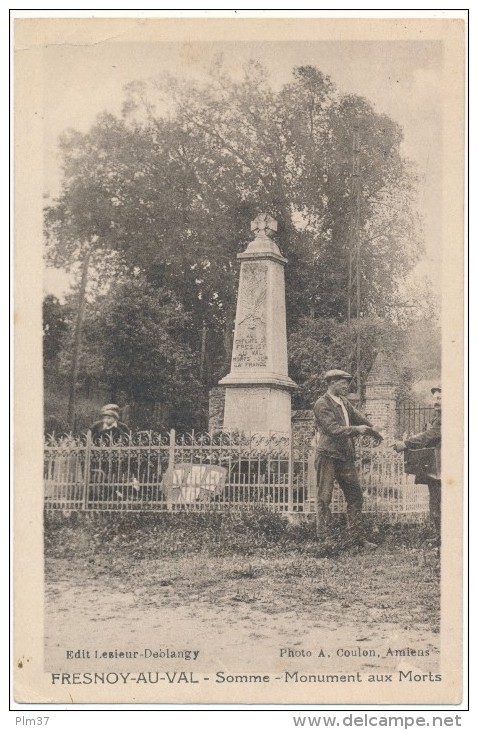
(135, 342)
(320, 344)
(55, 325)
(170, 188)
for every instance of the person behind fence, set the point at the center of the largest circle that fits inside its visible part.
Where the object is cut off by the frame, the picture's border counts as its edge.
(107, 473)
(109, 430)
(428, 439)
(337, 423)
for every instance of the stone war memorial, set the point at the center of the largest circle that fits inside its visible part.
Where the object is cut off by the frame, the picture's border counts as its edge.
(255, 396)
(258, 387)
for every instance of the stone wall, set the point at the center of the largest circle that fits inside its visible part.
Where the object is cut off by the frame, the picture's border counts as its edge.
(217, 399)
(303, 425)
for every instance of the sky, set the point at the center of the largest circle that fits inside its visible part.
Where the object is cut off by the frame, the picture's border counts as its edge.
(401, 78)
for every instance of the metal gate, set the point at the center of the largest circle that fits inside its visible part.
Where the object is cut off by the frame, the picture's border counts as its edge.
(412, 418)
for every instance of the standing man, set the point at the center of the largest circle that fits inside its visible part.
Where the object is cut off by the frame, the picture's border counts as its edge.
(338, 422)
(431, 438)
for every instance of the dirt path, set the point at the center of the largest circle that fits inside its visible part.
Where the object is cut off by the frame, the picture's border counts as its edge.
(262, 615)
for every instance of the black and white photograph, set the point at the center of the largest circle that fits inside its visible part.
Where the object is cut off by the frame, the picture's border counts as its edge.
(239, 306)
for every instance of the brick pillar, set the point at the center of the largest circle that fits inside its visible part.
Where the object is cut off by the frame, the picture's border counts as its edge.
(303, 425)
(380, 395)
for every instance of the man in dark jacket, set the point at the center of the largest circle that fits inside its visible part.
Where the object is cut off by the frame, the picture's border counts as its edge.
(338, 422)
(428, 439)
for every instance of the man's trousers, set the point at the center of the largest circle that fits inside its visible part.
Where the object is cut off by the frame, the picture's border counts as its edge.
(434, 491)
(329, 470)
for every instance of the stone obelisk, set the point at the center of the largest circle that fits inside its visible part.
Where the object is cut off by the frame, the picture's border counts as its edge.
(258, 387)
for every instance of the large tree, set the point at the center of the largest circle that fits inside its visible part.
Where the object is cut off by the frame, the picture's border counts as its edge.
(174, 193)
(246, 148)
(135, 344)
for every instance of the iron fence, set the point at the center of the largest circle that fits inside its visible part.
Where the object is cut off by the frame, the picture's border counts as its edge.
(215, 471)
(412, 418)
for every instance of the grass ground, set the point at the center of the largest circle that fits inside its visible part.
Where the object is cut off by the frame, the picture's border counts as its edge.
(202, 578)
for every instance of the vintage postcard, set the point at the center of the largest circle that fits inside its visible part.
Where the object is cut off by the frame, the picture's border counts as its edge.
(239, 338)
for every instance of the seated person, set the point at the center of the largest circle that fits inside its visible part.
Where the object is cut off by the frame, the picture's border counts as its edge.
(110, 429)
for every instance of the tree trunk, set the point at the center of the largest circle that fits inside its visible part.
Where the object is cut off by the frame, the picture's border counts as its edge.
(202, 364)
(77, 343)
(228, 338)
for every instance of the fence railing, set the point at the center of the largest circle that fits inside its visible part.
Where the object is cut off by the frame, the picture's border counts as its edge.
(214, 471)
(412, 418)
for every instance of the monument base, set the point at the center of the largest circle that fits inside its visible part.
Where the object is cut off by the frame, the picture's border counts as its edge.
(257, 409)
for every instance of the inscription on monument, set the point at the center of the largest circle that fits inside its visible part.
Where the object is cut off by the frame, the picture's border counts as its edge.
(250, 339)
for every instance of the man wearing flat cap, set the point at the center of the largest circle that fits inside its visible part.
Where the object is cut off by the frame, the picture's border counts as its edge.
(338, 422)
(429, 439)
